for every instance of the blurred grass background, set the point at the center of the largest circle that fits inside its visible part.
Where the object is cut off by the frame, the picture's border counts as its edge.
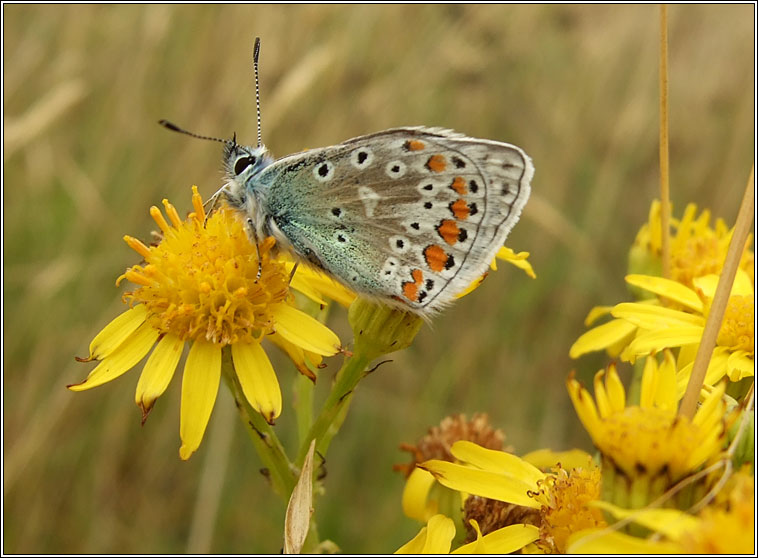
(575, 86)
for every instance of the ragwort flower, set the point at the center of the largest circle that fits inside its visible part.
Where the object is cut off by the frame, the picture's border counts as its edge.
(205, 284)
(647, 449)
(558, 501)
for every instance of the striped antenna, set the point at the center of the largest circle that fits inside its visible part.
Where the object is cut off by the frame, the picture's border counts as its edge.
(174, 128)
(256, 54)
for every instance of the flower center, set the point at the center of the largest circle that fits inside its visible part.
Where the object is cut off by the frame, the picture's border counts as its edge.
(737, 329)
(651, 441)
(201, 281)
(564, 497)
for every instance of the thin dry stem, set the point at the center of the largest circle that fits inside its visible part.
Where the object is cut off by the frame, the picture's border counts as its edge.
(720, 299)
(664, 146)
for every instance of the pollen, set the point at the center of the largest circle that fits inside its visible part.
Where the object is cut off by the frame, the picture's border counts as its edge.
(738, 327)
(565, 497)
(201, 281)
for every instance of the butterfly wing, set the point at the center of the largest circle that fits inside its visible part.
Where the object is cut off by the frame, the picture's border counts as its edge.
(407, 215)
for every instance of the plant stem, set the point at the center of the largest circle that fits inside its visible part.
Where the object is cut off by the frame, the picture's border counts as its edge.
(339, 398)
(280, 472)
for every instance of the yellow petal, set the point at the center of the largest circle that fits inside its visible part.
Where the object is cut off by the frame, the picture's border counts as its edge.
(519, 260)
(116, 332)
(584, 406)
(258, 379)
(158, 371)
(669, 522)
(482, 483)
(606, 541)
(615, 389)
(596, 313)
(668, 289)
(435, 538)
(296, 354)
(503, 541)
(311, 280)
(415, 502)
(121, 359)
(304, 331)
(545, 459)
(497, 461)
(666, 394)
(741, 286)
(654, 341)
(601, 395)
(740, 365)
(202, 374)
(649, 383)
(648, 316)
(601, 337)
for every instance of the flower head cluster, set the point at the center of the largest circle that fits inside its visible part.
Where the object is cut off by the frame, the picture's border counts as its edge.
(207, 286)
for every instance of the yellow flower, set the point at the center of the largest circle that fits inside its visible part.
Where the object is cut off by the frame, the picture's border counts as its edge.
(646, 449)
(660, 327)
(506, 254)
(206, 284)
(559, 499)
(697, 249)
(716, 529)
(422, 497)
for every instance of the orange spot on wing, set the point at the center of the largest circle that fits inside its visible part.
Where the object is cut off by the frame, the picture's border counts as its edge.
(435, 257)
(436, 163)
(460, 209)
(459, 185)
(410, 288)
(449, 231)
(414, 145)
(410, 291)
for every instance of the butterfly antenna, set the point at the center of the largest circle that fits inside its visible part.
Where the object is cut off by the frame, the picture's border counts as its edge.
(174, 128)
(256, 54)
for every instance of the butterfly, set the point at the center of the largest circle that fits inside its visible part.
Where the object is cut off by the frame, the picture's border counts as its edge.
(407, 216)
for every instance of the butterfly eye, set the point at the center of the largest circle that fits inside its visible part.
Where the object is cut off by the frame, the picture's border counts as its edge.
(242, 163)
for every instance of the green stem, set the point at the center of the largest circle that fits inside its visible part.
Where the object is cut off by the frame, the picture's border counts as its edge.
(281, 473)
(338, 401)
(303, 404)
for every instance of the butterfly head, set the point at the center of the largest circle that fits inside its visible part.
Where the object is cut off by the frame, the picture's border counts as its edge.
(241, 163)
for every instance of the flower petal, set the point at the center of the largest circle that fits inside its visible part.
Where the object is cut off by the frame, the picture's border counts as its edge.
(482, 483)
(669, 522)
(519, 260)
(116, 332)
(304, 331)
(258, 379)
(158, 371)
(503, 541)
(121, 359)
(202, 374)
(654, 341)
(435, 538)
(497, 462)
(648, 316)
(606, 541)
(296, 354)
(415, 502)
(601, 337)
(668, 289)
(740, 365)
(546, 459)
(308, 281)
